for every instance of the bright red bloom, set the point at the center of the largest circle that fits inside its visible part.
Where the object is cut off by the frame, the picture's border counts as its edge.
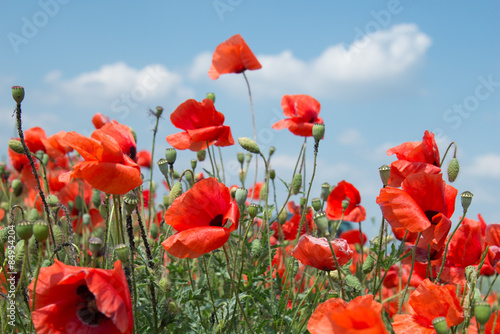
(99, 120)
(467, 244)
(428, 302)
(81, 300)
(34, 139)
(204, 217)
(303, 111)
(256, 193)
(232, 56)
(123, 136)
(354, 212)
(316, 252)
(105, 167)
(360, 315)
(202, 124)
(56, 146)
(144, 158)
(353, 237)
(291, 226)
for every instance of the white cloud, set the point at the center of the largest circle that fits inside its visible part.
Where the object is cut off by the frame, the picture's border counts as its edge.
(378, 60)
(487, 166)
(350, 137)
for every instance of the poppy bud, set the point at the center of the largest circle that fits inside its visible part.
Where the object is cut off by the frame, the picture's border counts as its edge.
(241, 196)
(79, 205)
(272, 174)
(16, 146)
(19, 250)
(368, 264)
(18, 94)
(193, 163)
(325, 191)
(45, 159)
(283, 215)
(95, 245)
(176, 174)
(166, 203)
(296, 183)
(482, 312)
(175, 192)
(24, 229)
(303, 202)
(33, 215)
(385, 172)
(211, 96)
(453, 169)
(249, 145)
(164, 284)
(52, 200)
(17, 187)
(163, 165)
(263, 191)
(130, 201)
(466, 197)
(172, 307)
(318, 131)
(316, 203)
(255, 247)
(321, 221)
(58, 234)
(345, 203)
(122, 252)
(96, 197)
(104, 212)
(171, 155)
(440, 325)
(232, 192)
(241, 157)
(200, 155)
(86, 219)
(40, 230)
(272, 149)
(159, 111)
(188, 177)
(153, 230)
(253, 209)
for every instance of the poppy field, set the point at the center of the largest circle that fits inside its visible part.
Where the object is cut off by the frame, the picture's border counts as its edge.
(89, 247)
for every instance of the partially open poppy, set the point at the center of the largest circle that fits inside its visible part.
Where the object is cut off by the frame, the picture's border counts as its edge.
(144, 158)
(232, 56)
(354, 211)
(202, 124)
(105, 167)
(316, 252)
(81, 300)
(204, 217)
(302, 112)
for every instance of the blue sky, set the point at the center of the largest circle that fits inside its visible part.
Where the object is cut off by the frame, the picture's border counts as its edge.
(383, 71)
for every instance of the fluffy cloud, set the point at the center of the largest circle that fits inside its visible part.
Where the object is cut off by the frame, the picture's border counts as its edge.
(486, 166)
(350, 137)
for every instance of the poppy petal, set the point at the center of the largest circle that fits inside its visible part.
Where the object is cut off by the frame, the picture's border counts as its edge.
(195, 242)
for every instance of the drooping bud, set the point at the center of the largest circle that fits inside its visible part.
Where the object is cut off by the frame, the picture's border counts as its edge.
(211, 96)
(159, 111)
(171, 155)
(163, 165)
(466, 197)
(253, 209)
(316, 203)
(16, 146)
(153, 230)
(482, 312)
(24, 229)
(17, 187)
(18, 94)
(40, 230)
(440, 325)
(283, 215)
(241, 196)
(249, 145)
(122, 253)
(201, 155)
(272, 174)
(95, 245)
(453, 169)
(232, 192)
(175, 192)
(296, 183)
(45, 159)
(272, 149)
(318, 131)
(368, 265)
(193, 163)
(325, 191)
(241, 157)
(33, 215)
(385, 173)
(321, 222)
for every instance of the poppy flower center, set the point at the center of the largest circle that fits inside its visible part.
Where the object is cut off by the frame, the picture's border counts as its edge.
(87, 310)
(430, 213)
(217, 221)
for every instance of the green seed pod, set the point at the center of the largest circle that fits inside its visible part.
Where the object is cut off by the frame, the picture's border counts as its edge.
(171, 155)
(253, 209)
(175, 192)
(264, 191)
(466, 197)
(95, 245)
(384, 172)
(172, 307)
(321, 222)
(482, 312)
(241, 157)
(272, 174)
(130, 201)
(318, 131)
(296, 183)
(104, 212)
(159, 111)
(201, 155)
(17, 187)
(368, 265)
(211, 96)
(153, 230)
(164, 284)
(16, 146)
(440, 325)
(241, 196)
(345, 203)
(163, 165)
(79, 203)
(40, 230)
(453, 169)
(86, 219)
(58, 234)
(52, 200)
(325, 191)
(33, 215)
(166, 202)
(194, 162)
(24, 230)
(316, 203)
(96, 198)
(122, 253)
(19, 258)
(188, 176)
(176, 174)
(45, 159)
(18, 94)
(249, 145)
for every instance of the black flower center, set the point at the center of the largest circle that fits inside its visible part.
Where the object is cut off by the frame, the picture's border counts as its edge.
(87, 310)
(430, 213)
(217, 221)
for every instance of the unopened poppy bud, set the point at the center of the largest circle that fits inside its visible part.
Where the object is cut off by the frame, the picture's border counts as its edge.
(482, 312)
(176, 174)
(188, 177)
(79, 204)
(194, 162)
(166, 202)
(253, 209)
(52, 200)
(172, 307)
(272, 174)
(16, 146)
(232, 192)
(272, 149)
(321, 221)
(19, 258)
(249, 145)
(18, 94)
(303, 202)
(122, 253)
(368, 265)
(153, 230)
(171, 155)
(241, 196)
(241, 157)
(316, 203)
(33, 215)
(440, 325)
(296, 183)
(211, 96)
(96, 198)
(17, 187)
(175, 192)
(385, 173)
(39, 154)
(70, 205)
(130, 201)
(45, 159)
(163, 165)
(263, 191)
(104, 212)
(345, 204)
(318, 131)
(255, 247)
(283, 215)
(325, 191)
(466, 197)
(24, 229)
(40, 230)
(453, 169)
(200, 155)
(58, 234)
(248, 157)
(242, 175)
(159, 111)
(86, 219)
(95, 245)
(164, 284)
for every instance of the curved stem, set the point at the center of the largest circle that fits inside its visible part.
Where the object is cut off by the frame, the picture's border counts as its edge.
(445, 153)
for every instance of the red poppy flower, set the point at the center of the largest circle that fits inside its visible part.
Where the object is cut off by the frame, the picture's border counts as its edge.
(353, 237)
(414, 157)
(291, 226)
(232, 56)
(204, 217)
(354, 212)
(428, 302)
(303, 111)
(316, 252)
(360, 315)
(34, 139)
(123, 136)
(202, 124)
(56, 146)
(467, 244)
(81, 300)
(144, 158)
(256, 193)
(105, 167)
(99, 120)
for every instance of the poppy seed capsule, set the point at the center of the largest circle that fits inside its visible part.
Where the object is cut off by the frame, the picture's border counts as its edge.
(171, 155)
(318, 131)
(241, 157)
(163, 165)
(17, 187)
(58, 234)
(253, 209)
(24, 230)
(296, 183)
(52, 200)
(96, 198)
(283, 215)
(159, 111)
(211, 96)
(153, 230)
(40, 230)
(316, 203)
(249, 145)
(482, 312)
(321, 221)
(453, 169)
(466, 197)
(241, 196)
(86, 219)
(16, 146)
(18, 94)
(201, 155)
(263, 191)
(385, 173)
(95, 245)
(345, 203)
(194, 162)
(122, 253)
(325, 191)
(440, 325)
(272, 174)
(130, 201)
